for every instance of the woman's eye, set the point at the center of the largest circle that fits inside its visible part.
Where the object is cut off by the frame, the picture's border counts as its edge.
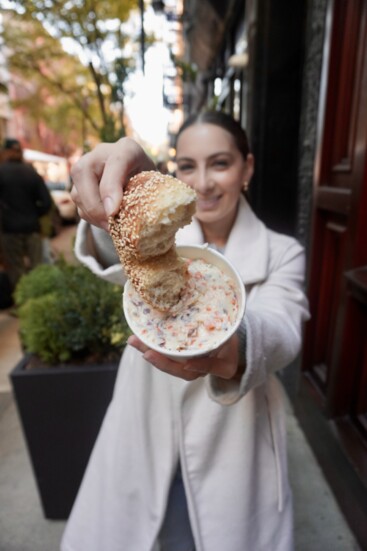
(185, 168)
(221, 163)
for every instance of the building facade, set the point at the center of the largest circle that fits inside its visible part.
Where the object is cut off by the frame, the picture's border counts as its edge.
(5, 112)
(295, 75)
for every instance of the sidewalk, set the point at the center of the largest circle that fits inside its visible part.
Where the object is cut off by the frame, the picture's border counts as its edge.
(319, 524)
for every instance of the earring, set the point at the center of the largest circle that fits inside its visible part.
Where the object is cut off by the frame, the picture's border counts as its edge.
(245, 186)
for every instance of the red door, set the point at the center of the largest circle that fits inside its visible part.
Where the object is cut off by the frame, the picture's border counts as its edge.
(335, 348)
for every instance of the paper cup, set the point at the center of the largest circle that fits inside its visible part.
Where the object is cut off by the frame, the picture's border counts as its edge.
(212, 257)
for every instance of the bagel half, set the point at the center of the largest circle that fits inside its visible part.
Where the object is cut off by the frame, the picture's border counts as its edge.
(154, 206)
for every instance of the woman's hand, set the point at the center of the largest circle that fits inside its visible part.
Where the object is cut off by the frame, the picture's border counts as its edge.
(222, 363)
(99, 177)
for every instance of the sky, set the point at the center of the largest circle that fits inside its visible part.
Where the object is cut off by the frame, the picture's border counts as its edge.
(144, 101)
(145, 107)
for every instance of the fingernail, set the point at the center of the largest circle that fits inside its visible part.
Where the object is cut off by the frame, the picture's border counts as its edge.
(108, 206)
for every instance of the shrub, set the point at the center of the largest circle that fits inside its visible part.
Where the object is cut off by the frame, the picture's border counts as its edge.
(68, 314)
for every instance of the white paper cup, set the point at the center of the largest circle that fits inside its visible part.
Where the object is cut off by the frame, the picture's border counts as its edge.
(212, 257)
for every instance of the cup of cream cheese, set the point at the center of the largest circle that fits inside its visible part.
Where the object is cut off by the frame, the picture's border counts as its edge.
(208, 314)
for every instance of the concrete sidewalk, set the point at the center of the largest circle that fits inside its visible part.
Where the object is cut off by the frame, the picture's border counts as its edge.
(319, 524)
(22, 525)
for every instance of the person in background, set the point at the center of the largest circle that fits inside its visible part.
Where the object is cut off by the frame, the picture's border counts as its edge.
(192, 456)
(24, 198)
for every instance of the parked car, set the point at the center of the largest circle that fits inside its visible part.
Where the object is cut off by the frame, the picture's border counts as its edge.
(62, 199)
(55, 171)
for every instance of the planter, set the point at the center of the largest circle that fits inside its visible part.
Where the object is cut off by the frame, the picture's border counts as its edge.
(61, 410)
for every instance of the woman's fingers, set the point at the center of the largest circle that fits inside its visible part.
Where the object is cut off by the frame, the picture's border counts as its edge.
(222, 364)
(162, 362)
(99, 176)
(177, 369)
(137, 343)
(86, 174)
(124, 160)
(212, 366)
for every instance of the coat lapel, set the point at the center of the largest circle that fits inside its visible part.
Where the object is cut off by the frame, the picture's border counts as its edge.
(247, 247)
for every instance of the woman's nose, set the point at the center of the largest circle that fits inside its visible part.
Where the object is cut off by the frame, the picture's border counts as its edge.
(203, 181)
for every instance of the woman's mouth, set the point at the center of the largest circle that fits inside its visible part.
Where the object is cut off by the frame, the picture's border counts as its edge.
(208, 203)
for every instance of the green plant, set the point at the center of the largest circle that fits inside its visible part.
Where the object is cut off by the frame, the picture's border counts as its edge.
(68, 314)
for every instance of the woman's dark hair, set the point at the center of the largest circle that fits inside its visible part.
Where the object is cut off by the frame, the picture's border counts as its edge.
(223, 120)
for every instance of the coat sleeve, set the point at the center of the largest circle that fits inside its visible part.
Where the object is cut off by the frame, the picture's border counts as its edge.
(273, 322)
(94, 249)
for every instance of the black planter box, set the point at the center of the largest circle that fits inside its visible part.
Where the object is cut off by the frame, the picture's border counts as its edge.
(61, 410)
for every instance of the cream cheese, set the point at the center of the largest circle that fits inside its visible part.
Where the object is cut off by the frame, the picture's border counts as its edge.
(205, 314)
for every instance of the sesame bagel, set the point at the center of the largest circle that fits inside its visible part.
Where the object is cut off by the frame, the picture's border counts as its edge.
(160, 280)
(154, 206)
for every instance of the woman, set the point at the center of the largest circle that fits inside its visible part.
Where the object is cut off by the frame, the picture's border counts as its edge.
(196, 460)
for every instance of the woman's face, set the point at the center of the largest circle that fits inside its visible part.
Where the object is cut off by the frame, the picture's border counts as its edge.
(209, 161)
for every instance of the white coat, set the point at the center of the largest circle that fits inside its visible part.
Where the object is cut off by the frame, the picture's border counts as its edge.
(230, 437)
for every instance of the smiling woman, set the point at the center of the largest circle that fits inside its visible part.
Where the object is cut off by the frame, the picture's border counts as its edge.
(216, 161)
(178, 433)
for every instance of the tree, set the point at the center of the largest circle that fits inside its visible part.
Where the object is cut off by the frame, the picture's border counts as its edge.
(48, 85)
(91, 81)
